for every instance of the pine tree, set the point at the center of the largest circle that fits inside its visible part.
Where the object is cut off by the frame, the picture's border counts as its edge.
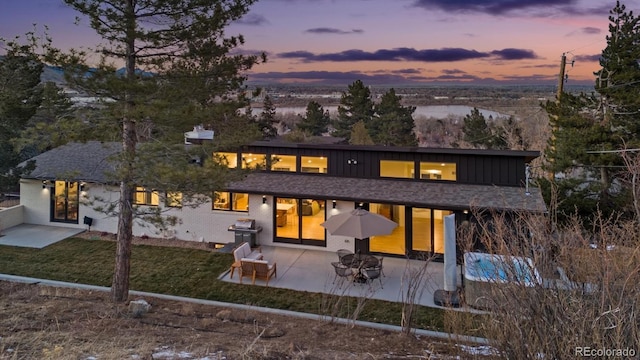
(178, 73)
(20, 97)
(267, 119)
(393, 123)
(476, 130)
(587, 130)
(618, 82)
(360, 134)
(355, 105)
(316, 119)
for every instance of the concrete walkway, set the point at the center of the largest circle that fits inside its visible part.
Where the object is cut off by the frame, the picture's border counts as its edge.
(36, 236)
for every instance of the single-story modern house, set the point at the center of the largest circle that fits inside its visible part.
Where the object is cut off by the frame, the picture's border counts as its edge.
(300, 186)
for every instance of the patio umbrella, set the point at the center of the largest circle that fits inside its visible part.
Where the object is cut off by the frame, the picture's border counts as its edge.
(359, 223)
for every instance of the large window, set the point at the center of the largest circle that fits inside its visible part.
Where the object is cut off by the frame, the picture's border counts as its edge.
(313, 164)
(145, 196)
(65, 201)
(298, 221)
(437, 171)
(254, 161)
(230, 201)
(228, 158)
(397, 169)
(283, 163)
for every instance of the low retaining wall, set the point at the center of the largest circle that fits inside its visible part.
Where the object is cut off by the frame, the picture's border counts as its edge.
(12, 216)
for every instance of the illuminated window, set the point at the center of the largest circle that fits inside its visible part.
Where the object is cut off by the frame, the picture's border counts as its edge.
(228, 158)
(396, 169)
(230, 201)
(240, 202)
(254, 161)
(173, 199)
(283, 163)
(438, 171)
(221, 201)
(144, 196)
(313, 164)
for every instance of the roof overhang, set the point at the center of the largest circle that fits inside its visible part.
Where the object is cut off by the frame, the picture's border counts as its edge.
(440, 195)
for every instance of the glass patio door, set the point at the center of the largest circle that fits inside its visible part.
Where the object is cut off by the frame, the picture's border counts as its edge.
(428, 230)
(65, 201)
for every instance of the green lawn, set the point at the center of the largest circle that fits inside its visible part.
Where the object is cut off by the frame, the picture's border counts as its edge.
(183, 272)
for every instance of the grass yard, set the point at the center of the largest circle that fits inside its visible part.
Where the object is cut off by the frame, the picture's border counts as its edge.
(184, 272)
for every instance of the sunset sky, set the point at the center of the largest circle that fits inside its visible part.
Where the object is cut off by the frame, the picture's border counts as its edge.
(391, 41)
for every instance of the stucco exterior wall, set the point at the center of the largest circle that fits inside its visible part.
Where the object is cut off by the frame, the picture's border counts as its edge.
(197, 224)
(11, 216)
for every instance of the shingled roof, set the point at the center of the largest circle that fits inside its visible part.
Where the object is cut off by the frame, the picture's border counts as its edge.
(414, 193)
(77, 161)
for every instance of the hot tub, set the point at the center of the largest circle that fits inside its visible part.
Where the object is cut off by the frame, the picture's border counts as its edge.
(485, 274)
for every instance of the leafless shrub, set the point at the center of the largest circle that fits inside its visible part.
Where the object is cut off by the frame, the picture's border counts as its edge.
(581, 288)
(414, 282)
(337, 302)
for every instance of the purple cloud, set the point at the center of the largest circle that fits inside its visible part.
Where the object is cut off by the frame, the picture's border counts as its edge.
(254, 20)
(397, 54)
(453, 71)
(410, 54)
(588, 58)
(326, 30)
(514, 54)
(590, 30)
(501, 7)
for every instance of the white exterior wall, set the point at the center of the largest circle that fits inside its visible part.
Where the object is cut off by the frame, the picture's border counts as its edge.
(36, 202)
(12, 216)
(336, 242)
(197, 224)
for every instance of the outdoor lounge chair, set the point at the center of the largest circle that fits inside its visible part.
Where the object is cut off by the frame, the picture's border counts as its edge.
(380, 264)
(341, 253)
(246, 268)
(263, 270)
(342, 271)
(372, 273)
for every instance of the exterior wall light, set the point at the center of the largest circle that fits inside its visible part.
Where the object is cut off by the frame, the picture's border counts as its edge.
(82, 186)
(44, 184)
(334, 204)
(264, 199)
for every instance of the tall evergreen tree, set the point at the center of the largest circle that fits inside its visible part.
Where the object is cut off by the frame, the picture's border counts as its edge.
(178, 73)
(316, 119)
(393, 123)
(360, 134)
(618, 81)
(54, 123)
(587, 130)
(476, 130)
(355, 105)
(20, 97)
(267, 119)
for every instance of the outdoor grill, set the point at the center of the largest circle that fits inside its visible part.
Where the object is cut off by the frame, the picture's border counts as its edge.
(245, 230)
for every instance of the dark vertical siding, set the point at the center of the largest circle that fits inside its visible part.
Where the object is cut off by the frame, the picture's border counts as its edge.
(470, 168)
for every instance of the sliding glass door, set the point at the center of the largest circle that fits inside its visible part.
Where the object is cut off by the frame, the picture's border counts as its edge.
(298, 221)
(65, 201)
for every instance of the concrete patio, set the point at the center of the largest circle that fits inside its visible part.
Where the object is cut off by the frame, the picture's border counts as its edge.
(35, 236)
(311, 270)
